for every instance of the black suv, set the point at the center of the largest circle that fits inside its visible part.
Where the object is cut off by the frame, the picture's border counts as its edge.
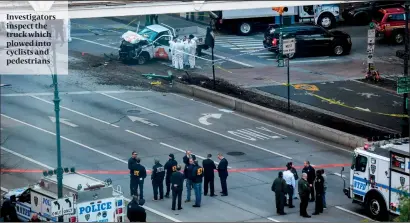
(310, 39)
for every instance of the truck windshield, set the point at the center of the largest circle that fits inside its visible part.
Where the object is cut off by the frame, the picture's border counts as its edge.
(353, 162)
(148, 33)
(378, 16)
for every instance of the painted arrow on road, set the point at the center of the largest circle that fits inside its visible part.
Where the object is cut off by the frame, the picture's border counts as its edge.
(363, 109)
(204, 119)
(142, 120)
(64, 121)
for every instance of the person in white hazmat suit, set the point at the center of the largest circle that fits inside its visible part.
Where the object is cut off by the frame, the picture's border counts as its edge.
(186, 43)
(192, 51)
(172, 48)
(179, 55)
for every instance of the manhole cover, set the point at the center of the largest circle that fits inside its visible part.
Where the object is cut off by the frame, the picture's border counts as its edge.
(133, 111)
(235, 153)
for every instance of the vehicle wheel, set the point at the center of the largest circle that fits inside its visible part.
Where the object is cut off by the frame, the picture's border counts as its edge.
(326, 20)
(398, 38)
(338, 50)
(245, 28)
(376, 207)
(142, 59)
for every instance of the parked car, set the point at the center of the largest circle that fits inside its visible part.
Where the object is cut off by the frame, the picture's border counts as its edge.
(362, 13)
(390, 24)
(310, 39)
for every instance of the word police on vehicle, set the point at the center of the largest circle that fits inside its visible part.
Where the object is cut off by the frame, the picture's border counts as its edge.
(95, 208)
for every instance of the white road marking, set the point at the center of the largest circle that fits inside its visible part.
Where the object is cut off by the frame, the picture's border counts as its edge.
(79, 113)
(268, 130)
(129, 131)
(246, 48)
(204, 119)
(183, 151)
(89, 41)
(266, 56)
(230, 60)
(354, 213)
(51, 168)
(338, 174)
(197, 126)
(309, 61)
(68, 93)
(63, 120)
(271, 219)
(268, 53)
(240, 45)
(270, 125)
(142, 120)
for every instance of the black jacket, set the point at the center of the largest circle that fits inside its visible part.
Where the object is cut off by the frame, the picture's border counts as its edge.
(188, 171)
(139, 171)
(158, 173)
(279, 185)
(197, 174)
(223, 168)
(186, 159)
(177, 178)
(135, 212)
(310, 171)
(295, 173)
(131, 163)
(209, 167)
(8, 212)
(319, 185)
(170, 167)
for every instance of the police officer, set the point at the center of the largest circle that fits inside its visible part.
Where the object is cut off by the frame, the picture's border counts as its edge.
(304, 191)
(197, 174)
(310, 171)
(136, 213)
(188, 179)
(140, 174)
(157, 177)
(170, 167)
(186, 158)
(8, 210)
(177, 182)
(223, 174)
(279, 186)
(319, 188)
(209, 167)
(131, 163)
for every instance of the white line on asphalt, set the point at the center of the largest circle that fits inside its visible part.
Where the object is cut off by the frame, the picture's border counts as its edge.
(268, 53)
(138, 134)
(338, 174)
(246, 48)
(4, 189)
(230, 60)
(89, 41)
(67, 139)
(200, 127)
(79, 113)
(68, 93)
(240, 45)
(308, 61)
(389, 92)
(237, 42)
(354, 213)
(266, 56)
(49, 167)
(183, 151)
(271, 219)
(281, 129)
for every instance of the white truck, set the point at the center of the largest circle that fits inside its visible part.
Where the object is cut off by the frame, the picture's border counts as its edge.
(153, 42)
(379, 175)
(247, 20)
(85, 200)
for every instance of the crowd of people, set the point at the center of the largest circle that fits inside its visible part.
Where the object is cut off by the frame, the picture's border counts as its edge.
(311, 188)
(183, 52)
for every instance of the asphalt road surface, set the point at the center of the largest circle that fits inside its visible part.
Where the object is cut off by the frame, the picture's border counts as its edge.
(98, 134)
(349, 98)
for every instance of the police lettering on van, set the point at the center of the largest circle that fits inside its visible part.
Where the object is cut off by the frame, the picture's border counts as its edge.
(98, 211)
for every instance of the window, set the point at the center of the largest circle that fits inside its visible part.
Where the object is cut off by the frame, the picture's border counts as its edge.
(395, 17)
(308, 9)
(360, 163)
(164, 40)
(378, 17)
(149, 34)
(303, 32)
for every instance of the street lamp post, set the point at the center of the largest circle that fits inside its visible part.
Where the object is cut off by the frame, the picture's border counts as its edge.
(405, 121)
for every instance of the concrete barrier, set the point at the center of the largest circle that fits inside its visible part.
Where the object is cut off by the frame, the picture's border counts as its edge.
(280, 118)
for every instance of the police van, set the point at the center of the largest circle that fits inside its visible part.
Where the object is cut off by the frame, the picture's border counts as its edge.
(379, 177)
(93, 200)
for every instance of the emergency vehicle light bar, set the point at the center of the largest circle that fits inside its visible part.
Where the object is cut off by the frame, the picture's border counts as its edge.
(47, 173)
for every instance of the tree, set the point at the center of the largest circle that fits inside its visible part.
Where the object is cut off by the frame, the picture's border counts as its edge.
(404, 206)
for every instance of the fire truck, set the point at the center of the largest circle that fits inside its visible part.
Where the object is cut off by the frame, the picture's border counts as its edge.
(379, 177)
(92, 199)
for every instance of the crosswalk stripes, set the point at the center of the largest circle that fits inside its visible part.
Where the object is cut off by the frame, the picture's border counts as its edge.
(245, 45)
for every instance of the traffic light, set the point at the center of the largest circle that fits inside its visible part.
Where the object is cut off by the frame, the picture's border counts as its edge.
(280, 10)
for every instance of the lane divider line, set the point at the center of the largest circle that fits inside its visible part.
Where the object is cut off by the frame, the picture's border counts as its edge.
(354, 213)
(78, 113)
(271, 219)
(70, 93)
(200, 157)
(134, 133)
(49, 167)
(200, 127)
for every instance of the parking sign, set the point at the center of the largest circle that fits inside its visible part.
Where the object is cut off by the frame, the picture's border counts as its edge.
(289, 46)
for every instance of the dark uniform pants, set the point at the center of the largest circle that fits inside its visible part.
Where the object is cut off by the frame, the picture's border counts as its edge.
(312, 191)
(158, 185)
(135, 184)
(223, 184)
(304, 201)
(168, 184)
(290, 194)
(176, 193)
(209, 180)
(319, 204)
(280, 202)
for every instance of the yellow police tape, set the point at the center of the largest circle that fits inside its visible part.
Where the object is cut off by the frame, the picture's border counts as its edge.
(308, 87)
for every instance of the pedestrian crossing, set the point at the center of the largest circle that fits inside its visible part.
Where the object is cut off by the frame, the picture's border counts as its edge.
(245, 46)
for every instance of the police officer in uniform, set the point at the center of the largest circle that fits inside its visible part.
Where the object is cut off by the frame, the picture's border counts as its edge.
(177, 184)
(319, 188)
(304, 191)
(170, 167)
(157, 177)
(135, 211)
(140, 173)
(197, 174)
(131, 163)
(279, 186)
(311, 176)
(209, 167)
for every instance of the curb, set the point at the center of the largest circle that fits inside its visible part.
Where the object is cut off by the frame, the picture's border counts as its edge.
(280, 118)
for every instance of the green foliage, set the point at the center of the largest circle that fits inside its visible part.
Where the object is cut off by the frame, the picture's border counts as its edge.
(404, 209)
